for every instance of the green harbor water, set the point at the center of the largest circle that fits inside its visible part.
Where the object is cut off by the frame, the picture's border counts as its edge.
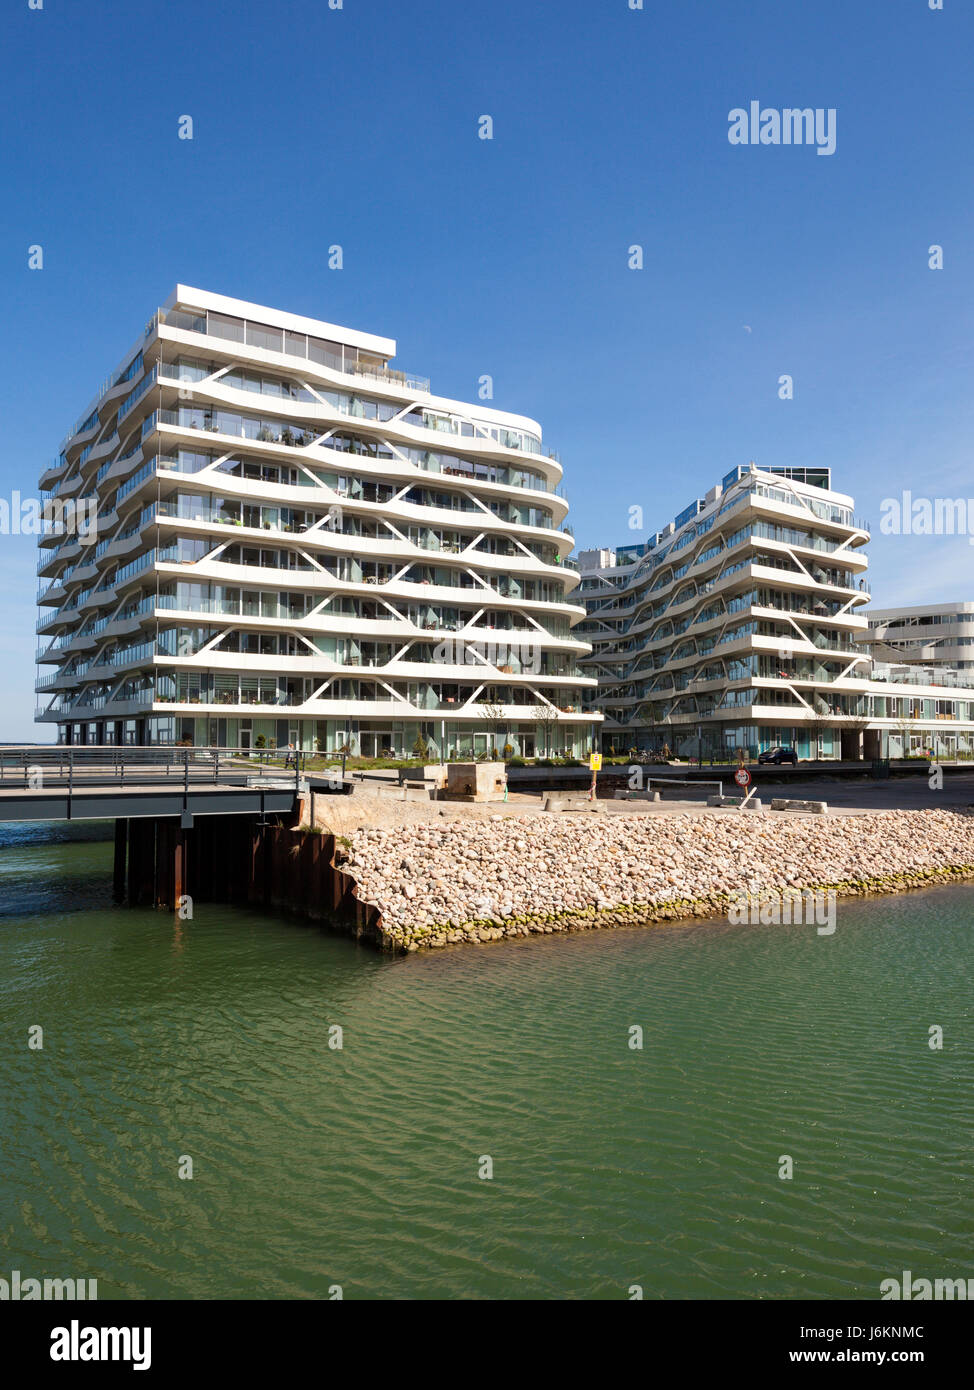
(612, 1167)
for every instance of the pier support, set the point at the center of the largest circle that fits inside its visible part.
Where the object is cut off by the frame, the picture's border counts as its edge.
(179, 866)
(238, 859)
(118, 870)
(142, 862)
(159, 861)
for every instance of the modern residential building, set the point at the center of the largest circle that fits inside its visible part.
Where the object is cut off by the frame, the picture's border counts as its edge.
(739, 626)
(298, 543)
(937, 636)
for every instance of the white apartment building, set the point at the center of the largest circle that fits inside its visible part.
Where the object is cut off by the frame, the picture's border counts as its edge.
(297, 543)
(739, 626)
(937, 636)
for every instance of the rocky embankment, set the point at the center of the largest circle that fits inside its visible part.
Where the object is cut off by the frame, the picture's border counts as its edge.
(504, 877)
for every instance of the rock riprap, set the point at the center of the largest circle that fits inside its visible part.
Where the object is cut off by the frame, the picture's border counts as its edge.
(512, 876)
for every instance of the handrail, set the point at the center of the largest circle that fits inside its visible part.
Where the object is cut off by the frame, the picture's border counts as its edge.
(46, 765)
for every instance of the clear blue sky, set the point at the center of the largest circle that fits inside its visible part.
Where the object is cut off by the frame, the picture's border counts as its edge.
(508, 257)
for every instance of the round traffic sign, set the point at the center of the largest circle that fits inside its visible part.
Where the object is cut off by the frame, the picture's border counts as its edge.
(742, 777)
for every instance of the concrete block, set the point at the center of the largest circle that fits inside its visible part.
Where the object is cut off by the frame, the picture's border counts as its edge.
(814, 808)
(476, 781)
(573, 803)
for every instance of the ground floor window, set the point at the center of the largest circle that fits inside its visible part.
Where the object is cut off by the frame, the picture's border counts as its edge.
(428, 739)
(524, 741)
(808, 743)
(381, 740)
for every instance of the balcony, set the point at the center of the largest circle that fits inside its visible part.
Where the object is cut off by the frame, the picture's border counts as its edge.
(393, 376)
(336, 357)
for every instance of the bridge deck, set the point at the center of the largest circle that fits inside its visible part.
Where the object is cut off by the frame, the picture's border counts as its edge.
(58, 782)
(92, 802)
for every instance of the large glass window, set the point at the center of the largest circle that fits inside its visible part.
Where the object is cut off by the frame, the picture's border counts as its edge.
(223, 326)
(270, 338)
(328, 354)
(186, 319)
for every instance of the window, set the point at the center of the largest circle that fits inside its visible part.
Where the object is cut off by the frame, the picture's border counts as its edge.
(223, 326)
(328, 354)
(270, 338)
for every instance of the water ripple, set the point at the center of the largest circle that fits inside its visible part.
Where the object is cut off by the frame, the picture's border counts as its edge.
(360, 1167)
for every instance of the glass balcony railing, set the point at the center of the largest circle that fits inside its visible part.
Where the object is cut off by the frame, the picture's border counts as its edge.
(132, 483)
(268, 430)
(922, 675)
(134, 396)
(337, 357)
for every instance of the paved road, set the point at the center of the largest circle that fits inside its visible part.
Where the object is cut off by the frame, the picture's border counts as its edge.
(881, 794)
(844, 795)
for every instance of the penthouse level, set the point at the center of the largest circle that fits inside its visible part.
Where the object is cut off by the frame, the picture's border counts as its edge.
(288, 529)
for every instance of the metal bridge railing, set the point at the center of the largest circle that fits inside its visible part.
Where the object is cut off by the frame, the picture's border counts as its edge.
(93, 765)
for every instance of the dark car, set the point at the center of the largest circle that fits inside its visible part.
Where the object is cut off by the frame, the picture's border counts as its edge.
(779, 755)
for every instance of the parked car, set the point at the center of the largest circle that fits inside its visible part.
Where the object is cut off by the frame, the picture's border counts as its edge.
(779, 755)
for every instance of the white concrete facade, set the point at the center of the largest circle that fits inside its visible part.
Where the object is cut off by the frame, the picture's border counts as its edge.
(297, 543)
(936, 636)
(741, 626)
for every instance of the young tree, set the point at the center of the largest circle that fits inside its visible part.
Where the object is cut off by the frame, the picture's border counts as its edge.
(547, 716)
(821, 723)
(903, 729)
(493, 717)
